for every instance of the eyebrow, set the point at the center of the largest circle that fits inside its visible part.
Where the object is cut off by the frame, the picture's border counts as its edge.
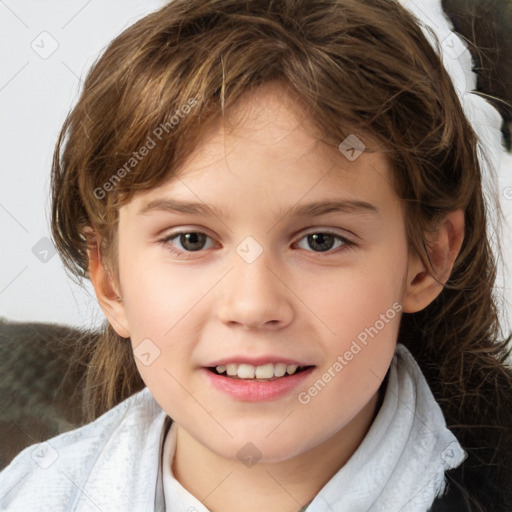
(314, 209)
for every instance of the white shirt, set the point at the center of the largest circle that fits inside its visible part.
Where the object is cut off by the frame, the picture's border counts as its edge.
(119, 462)
(400, 464)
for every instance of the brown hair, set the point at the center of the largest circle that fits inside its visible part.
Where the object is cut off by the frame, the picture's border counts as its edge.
(365, 63)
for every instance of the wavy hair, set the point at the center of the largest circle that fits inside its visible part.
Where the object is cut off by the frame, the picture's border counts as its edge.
(359, 63)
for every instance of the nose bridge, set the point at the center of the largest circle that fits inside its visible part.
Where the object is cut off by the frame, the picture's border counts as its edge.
(254, 295)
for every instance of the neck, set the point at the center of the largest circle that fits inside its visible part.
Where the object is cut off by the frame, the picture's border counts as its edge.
(224, 484)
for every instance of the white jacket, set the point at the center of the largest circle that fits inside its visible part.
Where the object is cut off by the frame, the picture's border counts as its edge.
(111, 464)
(115, 463)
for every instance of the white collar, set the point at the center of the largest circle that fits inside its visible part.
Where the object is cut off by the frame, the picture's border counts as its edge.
(177, 498)
(400, 463)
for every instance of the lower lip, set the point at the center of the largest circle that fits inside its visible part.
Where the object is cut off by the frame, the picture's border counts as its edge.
(252, 391)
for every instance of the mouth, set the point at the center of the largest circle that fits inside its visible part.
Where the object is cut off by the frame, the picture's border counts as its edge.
(262, 373)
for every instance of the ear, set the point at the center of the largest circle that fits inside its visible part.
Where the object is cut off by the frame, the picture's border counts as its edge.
(107, 291)
(422, 286)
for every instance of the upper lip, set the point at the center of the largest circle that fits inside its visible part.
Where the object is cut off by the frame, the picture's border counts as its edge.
(255, 361)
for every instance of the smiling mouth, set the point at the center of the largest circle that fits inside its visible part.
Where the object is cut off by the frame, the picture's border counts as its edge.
(264, 373)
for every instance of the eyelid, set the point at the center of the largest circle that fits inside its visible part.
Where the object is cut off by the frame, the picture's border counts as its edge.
(347, 241)
(329, 231)
(302, 233)
(165, 241)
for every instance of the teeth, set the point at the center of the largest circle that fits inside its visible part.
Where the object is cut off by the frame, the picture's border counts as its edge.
(231, 369)
(245, 371)
(291, 369)
(265, 372)
(279, 369)
(248, 371)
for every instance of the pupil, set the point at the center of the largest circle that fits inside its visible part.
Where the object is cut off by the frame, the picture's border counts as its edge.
(322, 240)
(190, 241)
(195, 241)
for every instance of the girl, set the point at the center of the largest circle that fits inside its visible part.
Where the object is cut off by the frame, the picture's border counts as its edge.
(281, 208)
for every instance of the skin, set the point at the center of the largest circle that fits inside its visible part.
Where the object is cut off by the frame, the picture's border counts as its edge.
(294, 300)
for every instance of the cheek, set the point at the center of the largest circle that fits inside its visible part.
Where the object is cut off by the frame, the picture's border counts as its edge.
(160, 296)
(350, 300)
(165, 305)
(364, 321)
(362, 309)
(357, 357)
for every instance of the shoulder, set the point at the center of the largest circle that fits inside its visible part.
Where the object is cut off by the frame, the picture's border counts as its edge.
(484, 479)
(54, 474)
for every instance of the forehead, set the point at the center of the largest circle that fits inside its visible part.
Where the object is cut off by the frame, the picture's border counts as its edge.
(268, 146)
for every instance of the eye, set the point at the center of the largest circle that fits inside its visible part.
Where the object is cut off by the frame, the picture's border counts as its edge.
(323, 241)
(184, 243)
(190, 241)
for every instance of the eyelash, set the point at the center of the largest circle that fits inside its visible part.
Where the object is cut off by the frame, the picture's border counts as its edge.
(346, 243)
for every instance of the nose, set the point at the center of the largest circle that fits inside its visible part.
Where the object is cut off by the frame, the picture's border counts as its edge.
(255, 296)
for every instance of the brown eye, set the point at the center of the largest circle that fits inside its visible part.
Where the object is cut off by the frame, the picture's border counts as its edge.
(192, 241)
(186, 242)
(323, 241)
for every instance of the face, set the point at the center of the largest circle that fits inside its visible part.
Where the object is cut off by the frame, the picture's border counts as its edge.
(256, 282)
